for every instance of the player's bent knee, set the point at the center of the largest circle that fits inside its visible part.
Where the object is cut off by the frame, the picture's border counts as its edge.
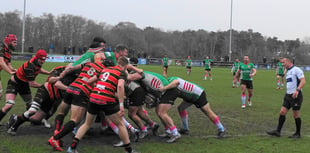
(282, 112)
(296, 116)
(135, 116)
(161, 114)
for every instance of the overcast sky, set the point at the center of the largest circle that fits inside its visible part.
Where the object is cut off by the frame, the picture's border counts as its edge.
(285, 19)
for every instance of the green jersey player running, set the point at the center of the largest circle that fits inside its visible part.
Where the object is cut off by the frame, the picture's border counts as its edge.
(192, 93)
(188, 65)
(247, 71)
(165, 61)
(234, 69)
(207, 62)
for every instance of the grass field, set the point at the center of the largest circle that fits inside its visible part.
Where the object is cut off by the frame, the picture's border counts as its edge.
(245, 127)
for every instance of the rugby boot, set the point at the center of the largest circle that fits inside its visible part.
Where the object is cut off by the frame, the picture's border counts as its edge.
(12, 131)
(295, 136)
(55, 144)
(11, 121)
(173, 138)
(184, 131)
(220, 134)
(274, 133)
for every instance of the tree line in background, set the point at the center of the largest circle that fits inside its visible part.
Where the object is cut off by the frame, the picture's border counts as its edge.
(75, 33)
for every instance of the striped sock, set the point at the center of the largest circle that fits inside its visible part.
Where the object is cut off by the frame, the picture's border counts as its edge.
(114, 127)
(218, 123)
(167, 130)
(174, 130)
(243, 98)
(129, 126)
(184, 118)
(144, 129)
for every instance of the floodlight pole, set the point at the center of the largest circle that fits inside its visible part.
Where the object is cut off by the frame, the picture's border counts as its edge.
(230, 31)
(23, 35)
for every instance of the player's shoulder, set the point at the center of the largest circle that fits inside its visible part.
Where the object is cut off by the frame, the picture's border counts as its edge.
(296, 68)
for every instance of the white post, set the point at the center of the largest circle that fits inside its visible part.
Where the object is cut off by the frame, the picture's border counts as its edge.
(230, 31)
(23, 35)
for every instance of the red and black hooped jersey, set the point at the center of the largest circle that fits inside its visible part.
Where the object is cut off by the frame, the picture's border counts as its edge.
(51, 88)
(106, 86)
(29, 70)
(5, 53)
(89, 70)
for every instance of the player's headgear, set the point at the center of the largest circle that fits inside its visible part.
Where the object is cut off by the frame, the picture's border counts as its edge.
(99, 39)
(98, 44)
(41, 54)
(9, 38)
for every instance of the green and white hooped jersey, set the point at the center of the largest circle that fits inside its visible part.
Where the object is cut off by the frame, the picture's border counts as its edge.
(188, 89)
(86, 57)
(152, 81)
(246, 70)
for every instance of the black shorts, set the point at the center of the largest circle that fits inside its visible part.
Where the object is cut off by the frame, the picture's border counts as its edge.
(78, 100)
(107, 109)
(169, 97)
(247, 83)
(294, 103)
(137, 97)
(281, 75)
(201, 101)
(18, 87)
(166, 67)
(207, 69)
(189, 67)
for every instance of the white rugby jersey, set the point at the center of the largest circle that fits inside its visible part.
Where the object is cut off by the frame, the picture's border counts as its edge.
(189, 90)
(292, 79)
(189, 87)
